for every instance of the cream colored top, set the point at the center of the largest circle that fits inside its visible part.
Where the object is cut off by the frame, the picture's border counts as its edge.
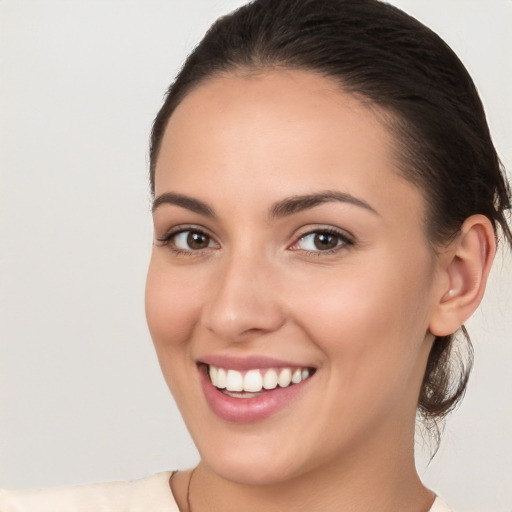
(151, 494)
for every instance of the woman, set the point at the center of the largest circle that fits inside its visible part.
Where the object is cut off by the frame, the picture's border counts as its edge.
(326, 203)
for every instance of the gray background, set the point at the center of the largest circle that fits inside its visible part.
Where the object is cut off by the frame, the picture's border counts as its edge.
(81, 396)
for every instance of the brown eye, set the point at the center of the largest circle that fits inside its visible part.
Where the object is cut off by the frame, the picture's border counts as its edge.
(322, 241)
(189, 240)
(325, 241)
(197, 240)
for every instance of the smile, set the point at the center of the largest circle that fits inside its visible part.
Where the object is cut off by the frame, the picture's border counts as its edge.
(247, 384)
(251, 390)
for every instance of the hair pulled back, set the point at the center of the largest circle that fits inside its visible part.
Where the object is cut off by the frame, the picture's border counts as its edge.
(427, 98)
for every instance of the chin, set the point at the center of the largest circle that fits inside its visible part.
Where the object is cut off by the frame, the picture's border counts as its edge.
(260, 466)
(263, 472)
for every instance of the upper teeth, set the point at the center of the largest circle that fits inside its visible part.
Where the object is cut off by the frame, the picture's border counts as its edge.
(255, 380)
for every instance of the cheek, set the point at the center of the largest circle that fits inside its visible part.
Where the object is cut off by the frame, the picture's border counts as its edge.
(372, 349)
(172, 311)
(370, 319)
(171, 305)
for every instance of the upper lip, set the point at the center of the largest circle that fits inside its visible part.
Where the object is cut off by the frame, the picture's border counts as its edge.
(247, 362)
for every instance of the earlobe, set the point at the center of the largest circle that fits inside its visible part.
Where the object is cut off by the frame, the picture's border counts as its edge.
(465, 267)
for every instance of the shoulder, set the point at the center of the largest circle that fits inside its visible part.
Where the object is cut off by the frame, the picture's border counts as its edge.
(438, 506)
(151, 494)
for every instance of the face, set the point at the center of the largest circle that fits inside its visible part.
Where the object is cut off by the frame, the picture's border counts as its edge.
(287, 245)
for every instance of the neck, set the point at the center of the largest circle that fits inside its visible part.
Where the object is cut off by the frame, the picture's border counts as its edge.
(375, 472)
(386, 483)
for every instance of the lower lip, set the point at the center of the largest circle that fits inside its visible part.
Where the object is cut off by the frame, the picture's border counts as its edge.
(248, 410)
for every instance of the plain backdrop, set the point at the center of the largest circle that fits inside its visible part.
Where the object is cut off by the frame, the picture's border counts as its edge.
(81, 395)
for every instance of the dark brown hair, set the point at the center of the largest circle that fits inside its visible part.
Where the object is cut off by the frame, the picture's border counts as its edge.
(392, 61)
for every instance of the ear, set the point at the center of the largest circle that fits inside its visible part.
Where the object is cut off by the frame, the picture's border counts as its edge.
(463, 272)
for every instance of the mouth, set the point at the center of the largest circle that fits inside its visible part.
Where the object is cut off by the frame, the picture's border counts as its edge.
(257, 381)
(251, 393)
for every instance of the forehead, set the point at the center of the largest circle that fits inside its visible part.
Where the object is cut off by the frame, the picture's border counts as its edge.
(278, 132)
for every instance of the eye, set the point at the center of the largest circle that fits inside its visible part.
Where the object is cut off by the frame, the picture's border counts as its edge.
(324, 240)
(192, 240)
(187, 240)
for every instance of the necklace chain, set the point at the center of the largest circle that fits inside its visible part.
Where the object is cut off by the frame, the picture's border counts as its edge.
(189, 507)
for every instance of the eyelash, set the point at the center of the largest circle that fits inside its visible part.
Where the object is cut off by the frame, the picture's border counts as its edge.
(345, 241)
(167, 240)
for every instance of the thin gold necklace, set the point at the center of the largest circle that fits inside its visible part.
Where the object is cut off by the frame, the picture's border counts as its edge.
(189, 507)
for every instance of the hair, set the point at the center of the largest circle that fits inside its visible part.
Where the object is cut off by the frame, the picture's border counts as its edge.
(391, 61)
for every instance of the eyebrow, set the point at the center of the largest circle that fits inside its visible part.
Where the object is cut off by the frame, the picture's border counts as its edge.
(296, 204)
(190, 203)
(282, 208)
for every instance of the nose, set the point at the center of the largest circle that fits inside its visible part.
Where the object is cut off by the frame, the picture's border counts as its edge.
(244, 300)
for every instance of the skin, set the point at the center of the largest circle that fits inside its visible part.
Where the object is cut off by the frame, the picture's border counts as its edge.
(364, 315)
